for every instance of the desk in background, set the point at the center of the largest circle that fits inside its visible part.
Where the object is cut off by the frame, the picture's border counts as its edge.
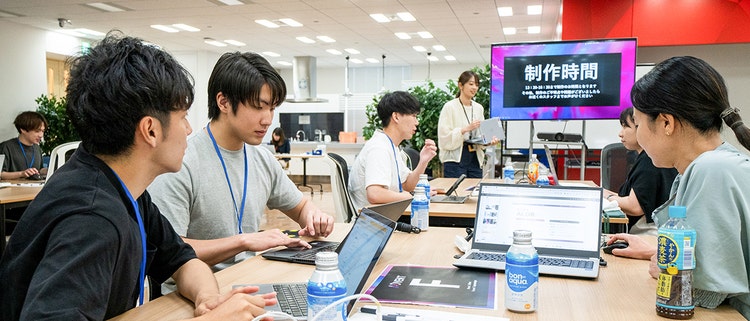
(623, 291)
(15, 197)
(304, 158)
(462, 215)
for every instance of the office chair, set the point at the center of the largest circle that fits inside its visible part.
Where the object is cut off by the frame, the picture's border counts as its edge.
(60, 155)
(616, 162)
(413, 157)
(351, 211)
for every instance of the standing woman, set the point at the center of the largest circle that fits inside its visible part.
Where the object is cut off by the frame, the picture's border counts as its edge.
(680, 108)
(458, 121)
(281, 145)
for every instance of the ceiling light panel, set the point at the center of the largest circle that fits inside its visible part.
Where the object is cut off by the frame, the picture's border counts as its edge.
(535, 29)
(214, 42)
(231, 2)
(438, 48)
(271, 54)
(107, 7)
(432, 58)
(534, 10)
(284, 63)
(402, 35)
(356, 61)
(185, 27)
(405, 16)
(420, 48)
(379, 17)
(165, 28)
(333, 51)
(450, 58)
(326, 39)
(266, 23)
(372, 60)
(425, 34)
(235, 43)
(505, 11)
(509, 31)
(305, 40)
(290, 22)
(352, 51)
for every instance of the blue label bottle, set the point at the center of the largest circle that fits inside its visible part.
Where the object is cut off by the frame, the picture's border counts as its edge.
(326, 285)
(521, 274)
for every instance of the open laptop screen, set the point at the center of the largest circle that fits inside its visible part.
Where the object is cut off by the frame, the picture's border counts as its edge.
(361, 249)
(559, 217)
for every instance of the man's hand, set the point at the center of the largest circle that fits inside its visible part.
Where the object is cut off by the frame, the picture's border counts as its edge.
(239, 304)
(429, 150)
(316, 223)
(265, 240)
(637, 247)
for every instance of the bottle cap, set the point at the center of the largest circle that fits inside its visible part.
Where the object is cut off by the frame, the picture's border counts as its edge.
(677, 211)
(327, 259)
(522, 236)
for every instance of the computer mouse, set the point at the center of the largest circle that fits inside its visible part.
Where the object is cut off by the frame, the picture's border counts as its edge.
(616, 245)
(35, 177)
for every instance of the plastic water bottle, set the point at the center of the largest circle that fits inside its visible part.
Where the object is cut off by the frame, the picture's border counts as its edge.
(424, 183)
(543, 178)
(533, 170)
(674, 257)
(326, 285)
(509, 173)
(420, 209)
(521, 274)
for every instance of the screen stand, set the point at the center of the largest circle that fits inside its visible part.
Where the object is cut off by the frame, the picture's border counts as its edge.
(582, 143)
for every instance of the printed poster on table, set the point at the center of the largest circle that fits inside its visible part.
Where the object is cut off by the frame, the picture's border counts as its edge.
(435, 285)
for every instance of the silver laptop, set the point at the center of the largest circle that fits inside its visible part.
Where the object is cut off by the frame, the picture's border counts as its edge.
(488, 128)
(565, 222)
(358, 254)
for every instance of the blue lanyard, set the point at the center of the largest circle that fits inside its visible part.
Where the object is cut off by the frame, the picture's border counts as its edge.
(395, 159)
(142, 273)
(33, 155)
(241, 211)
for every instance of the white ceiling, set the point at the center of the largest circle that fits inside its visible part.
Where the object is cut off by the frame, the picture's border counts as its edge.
(466, 28)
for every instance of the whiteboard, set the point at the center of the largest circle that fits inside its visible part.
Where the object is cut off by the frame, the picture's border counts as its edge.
(599, 132)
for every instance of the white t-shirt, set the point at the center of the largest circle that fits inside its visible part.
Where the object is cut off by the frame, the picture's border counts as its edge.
(378, 163)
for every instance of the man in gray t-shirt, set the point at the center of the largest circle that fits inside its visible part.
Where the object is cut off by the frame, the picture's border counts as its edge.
(217, 200)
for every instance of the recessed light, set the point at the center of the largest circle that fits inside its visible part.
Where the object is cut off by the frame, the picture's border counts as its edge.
(425, 34)
(214, 42)
(105, 7)
(403, 35)
(535, 29)
(185, 27)
(356, 61)
(235, 43)
(372, 60)
(266, 23)
(509, 31)
(534, 10)
(231, 2)
(290, 22)
(326, 39)
(379, 17)
(333, 51)
(405, 16)
(165, 28)
(271, 54)
(505, 11)
(305, 40)
(432, 58)
(419, 48)
(90, 32)
(284, 63)
(352, 51)
(438, 48)
(450, 58)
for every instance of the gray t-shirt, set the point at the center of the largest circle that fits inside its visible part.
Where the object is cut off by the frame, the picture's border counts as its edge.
(197, 201)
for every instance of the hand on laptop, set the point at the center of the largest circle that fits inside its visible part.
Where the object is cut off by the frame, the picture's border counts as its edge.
(239, 304)
(265, 240)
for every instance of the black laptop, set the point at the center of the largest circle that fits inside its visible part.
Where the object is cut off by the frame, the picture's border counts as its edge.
(358, 254)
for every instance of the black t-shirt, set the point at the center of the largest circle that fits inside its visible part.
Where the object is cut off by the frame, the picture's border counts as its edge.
(651, 185)
(76, 251)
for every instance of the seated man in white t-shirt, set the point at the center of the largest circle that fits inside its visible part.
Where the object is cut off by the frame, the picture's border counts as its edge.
(379, 174)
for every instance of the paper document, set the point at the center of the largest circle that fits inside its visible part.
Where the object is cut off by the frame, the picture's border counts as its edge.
(419, 314)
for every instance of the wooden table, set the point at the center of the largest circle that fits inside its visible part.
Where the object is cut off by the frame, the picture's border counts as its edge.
(623, 291)
(304, 158)
(463, 214)
(13, 197)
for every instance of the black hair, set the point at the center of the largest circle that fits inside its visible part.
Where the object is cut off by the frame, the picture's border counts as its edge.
(115, 84)
(626, 117)
(29, 120)
(465, 77)
(693, 92)
(396, 102)
(240, 77)
(278, 132)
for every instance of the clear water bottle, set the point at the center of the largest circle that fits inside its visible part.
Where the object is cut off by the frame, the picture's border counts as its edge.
(543, 178)
(326, 285)
(420, 209)
(674, 257)
(509, 173)
(521, 274)
(533, 170)
(424, 183)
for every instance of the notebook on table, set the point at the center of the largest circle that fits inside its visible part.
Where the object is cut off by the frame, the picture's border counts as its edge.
(565, 222)
(393, 210)
(488, 128)
(358, 254)
(448, 198)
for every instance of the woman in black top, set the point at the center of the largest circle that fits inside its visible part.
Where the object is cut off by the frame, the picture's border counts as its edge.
(646, 187)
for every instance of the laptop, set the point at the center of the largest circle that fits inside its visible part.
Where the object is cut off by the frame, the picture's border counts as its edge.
(551, 164)
(392, 210)
(358, 254)
(448, 198)
(488, 128)
(565, 222)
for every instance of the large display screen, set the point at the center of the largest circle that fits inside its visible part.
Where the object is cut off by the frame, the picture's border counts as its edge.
(562, 80)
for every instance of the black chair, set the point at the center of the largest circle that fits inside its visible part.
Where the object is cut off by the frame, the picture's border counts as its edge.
(343, 168)
(616, 162)
(413, 155)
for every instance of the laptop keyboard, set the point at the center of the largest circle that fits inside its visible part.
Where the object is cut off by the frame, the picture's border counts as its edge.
(310, 254)
(500, 257)
(292, 298)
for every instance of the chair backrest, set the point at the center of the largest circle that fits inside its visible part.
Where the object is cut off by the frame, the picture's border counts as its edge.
(413, 156)
(339, 199)
(346, 200)
(60, 155)
(616, 162)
